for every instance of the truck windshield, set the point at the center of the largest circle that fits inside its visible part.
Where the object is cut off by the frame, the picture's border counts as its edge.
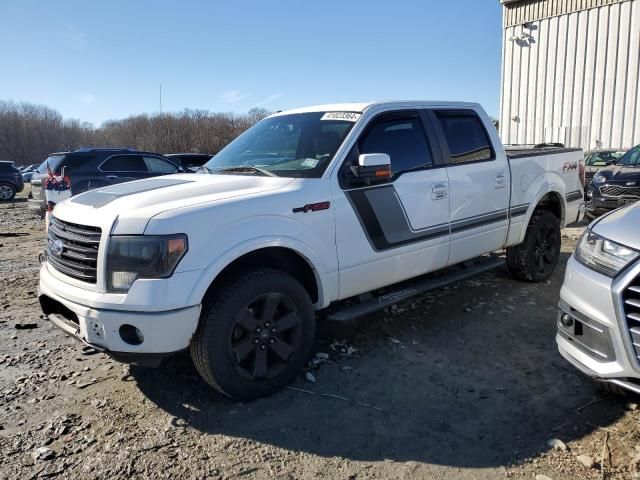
(631, 158)
(296, 145)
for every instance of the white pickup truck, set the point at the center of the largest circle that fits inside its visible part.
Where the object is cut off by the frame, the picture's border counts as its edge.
(348, 206)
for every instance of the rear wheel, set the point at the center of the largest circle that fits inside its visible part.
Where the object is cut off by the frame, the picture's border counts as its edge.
(255, 334)
(7, 192)
(535, 259)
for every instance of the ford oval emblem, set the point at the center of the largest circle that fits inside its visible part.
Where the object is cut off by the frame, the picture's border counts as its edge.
(57, 247)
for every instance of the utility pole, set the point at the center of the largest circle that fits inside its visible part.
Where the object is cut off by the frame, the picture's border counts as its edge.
(160, 98)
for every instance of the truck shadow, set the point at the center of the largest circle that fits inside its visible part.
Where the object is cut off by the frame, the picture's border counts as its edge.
(469, 377)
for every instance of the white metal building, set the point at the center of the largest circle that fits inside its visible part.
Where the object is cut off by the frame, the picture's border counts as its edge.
(571, 72)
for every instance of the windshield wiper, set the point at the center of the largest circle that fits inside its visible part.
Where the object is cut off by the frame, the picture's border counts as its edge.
(246, 169)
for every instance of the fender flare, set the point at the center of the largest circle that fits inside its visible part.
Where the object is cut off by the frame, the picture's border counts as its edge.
(209, 274)
(550, 188)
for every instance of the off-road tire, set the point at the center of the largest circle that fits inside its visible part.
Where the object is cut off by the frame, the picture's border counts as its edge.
(612, 388)
(521, 259)
(9, 188)
(211, 344)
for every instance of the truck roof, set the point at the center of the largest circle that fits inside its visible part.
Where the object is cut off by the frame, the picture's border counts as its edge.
(361, 107)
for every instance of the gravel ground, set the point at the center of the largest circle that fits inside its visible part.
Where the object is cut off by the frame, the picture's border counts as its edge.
(465, 382)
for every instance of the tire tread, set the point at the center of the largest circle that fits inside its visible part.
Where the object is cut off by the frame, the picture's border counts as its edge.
(518, 255)
(200, 344)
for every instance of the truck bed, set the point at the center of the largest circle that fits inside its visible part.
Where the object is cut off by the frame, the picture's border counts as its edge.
(514, 152)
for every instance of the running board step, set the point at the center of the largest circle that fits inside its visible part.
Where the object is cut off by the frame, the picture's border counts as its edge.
(370, 304)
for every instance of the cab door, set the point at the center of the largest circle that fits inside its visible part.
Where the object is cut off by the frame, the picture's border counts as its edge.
(480, 183)
(397, 229)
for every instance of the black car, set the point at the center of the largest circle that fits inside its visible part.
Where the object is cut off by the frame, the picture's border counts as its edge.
(594, 160)
(615, 186)
(10, 181)
(189, 161)
(89, 168)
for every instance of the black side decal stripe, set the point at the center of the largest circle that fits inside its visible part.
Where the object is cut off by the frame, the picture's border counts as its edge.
(573, 196)
(386, 225)
(519, 210)
(397, 234)
(478, 221)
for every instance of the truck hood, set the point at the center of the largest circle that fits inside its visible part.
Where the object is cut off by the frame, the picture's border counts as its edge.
(622, 226)
(133, 204)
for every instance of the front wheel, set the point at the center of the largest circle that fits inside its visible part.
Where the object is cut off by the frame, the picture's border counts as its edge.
(255, 334)
(536, 258)
(7, 192)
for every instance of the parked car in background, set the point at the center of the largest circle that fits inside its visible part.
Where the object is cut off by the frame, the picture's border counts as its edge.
(89, 168)
(309, 208)
(599, 311)
(27, 172)
(10, 180)
(616, 185)
(594, 160)
(189, 161)
(29, 168)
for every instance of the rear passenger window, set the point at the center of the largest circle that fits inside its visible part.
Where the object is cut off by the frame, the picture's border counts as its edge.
(124, 163)
(158, 165)
(402, 138)
(467, 139)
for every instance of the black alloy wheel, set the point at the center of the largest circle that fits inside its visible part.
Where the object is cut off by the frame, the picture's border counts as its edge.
(256, 333)
(545, 249)
(266, 334)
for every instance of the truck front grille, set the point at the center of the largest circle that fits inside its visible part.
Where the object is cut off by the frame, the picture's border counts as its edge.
(73, 249)
(618, 191)
(631, 306)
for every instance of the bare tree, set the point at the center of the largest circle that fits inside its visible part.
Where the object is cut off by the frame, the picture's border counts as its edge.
(28, 133)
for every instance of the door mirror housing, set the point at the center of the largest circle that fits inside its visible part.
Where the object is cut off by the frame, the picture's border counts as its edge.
(374, 160)
(372, 168)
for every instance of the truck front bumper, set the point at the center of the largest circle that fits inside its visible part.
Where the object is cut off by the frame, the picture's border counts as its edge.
(592, 334)
(142, 338)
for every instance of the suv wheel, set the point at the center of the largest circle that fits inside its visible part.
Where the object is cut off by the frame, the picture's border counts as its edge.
(7, 192)
(535, 259)
(255, 334)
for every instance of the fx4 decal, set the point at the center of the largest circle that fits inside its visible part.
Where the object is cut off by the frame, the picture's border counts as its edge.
(570, 167)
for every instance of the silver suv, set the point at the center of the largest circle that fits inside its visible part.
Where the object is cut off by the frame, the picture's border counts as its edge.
(599, 311)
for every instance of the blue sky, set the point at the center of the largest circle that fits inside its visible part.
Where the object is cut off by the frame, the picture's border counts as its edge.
(97, 60)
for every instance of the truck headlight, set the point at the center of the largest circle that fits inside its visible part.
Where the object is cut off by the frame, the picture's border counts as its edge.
(598, 179)
(142, 256)
(603, 255)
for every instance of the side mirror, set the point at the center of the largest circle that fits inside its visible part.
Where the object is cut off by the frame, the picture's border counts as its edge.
(372, 168)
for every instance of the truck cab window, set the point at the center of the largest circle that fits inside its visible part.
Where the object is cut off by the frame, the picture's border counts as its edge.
(466, 137)
(400, 137)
